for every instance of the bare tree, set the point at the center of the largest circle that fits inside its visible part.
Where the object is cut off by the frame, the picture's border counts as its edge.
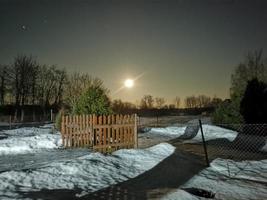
(34, 83)
(46, 85)
(147, 102)
(177, 102)
(61, 80)
(77, 84)
(22, 78)
(119, 106)
(190, 102)
(159, 102)
(23, 74)
(3, 83)
(252, 67)
(203, 101)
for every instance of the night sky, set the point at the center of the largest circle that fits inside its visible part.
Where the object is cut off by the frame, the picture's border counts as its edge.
(183, 47)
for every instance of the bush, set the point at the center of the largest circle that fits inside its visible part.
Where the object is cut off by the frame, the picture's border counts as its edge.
(227, 113)
(253, 106)
(93, 101)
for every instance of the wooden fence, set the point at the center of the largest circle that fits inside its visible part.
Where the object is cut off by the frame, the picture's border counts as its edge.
(102, 133)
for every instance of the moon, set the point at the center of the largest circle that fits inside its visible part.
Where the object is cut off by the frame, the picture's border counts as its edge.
(129, 83)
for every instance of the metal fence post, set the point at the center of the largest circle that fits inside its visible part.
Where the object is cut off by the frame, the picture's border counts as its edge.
(10, 122)
(204, 144)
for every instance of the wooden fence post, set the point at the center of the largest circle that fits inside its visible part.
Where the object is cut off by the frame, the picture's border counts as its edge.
(135, 132)
(94, 132)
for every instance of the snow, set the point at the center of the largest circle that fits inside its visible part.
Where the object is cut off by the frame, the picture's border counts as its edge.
(26, 140)
(214, 132)
(168, 131)
(229, 180)
(226, 178)
(180, 194)
(210, 133)
(89, 173)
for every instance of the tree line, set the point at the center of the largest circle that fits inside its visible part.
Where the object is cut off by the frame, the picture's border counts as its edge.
(150, 102)
(26, 82)
(200, 101)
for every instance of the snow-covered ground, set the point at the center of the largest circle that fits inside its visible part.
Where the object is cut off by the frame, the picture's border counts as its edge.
(228, 180)
(210, 133)
(168, 131)
(93, 171)
(26, 140)
(89, 173)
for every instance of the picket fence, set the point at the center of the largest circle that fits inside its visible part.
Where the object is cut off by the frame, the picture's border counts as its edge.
(102, 133)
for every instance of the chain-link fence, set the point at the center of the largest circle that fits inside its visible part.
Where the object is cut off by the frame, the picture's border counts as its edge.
(236, 153)
(235, 150)
(235, 146)
(229, 141)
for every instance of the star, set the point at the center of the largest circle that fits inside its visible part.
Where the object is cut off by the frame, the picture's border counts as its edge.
(24, 27)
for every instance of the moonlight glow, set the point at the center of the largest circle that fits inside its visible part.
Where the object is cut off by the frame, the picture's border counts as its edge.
(129, 83)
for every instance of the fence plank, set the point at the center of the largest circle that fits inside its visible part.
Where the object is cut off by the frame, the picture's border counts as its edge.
(63, 134)
(109, 132)
(90, 128)
(104, 133)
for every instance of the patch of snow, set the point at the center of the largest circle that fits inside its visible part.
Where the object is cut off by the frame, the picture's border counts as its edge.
(214, 132)
(168, 131)
(231, 180)
(210, 133)
(180, 194)
(26, 140)
(89, 173)
(51, 125)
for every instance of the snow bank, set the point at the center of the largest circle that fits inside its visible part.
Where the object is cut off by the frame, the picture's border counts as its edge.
(214, 132)
(168, 131)
(26, 140)
(89, 173)
(210, 132)
(230, 180)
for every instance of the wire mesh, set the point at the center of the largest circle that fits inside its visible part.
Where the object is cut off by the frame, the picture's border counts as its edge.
(236, 150)
(237, 146)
